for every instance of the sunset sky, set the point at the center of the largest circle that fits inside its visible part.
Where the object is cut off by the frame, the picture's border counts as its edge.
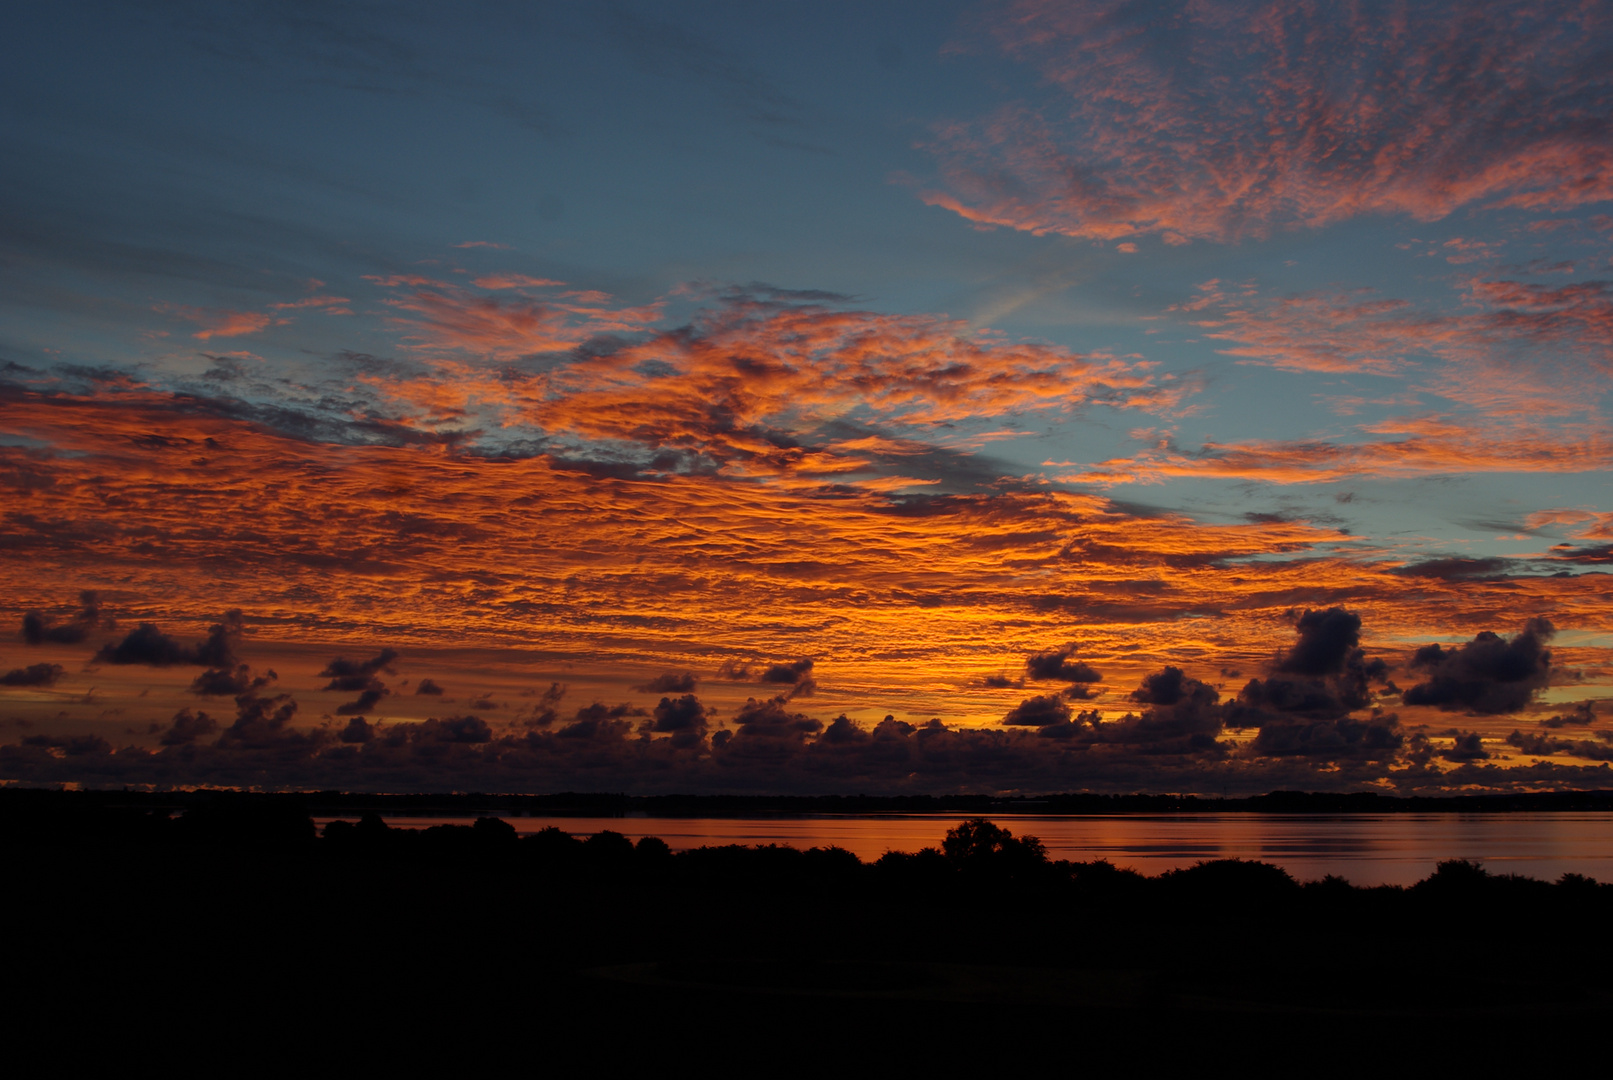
(807, 398)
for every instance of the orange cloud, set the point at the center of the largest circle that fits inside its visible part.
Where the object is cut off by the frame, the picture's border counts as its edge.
(746, 384)
(1580, 524)
(1432, 445)
(445, 317)
(221, 323)
(1220, 121)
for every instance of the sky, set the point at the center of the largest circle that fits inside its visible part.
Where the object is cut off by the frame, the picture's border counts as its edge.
(882, 398)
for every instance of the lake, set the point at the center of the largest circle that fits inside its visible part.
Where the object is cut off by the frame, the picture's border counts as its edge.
(1367, 849)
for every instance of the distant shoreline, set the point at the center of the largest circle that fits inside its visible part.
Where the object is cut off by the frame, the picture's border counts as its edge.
(575, 804)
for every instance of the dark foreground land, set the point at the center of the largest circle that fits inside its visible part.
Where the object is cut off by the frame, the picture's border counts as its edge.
(234, 932)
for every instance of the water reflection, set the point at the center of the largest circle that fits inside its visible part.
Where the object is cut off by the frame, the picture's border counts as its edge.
(1368, 849)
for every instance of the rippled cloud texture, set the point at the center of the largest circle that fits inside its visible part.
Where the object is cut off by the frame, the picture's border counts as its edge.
(1216, 402)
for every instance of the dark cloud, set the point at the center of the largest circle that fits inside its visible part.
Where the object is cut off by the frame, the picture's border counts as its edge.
(1465, 746)
(1326, 640)
(1325, 675)
(366, 701)
(187, 728)
(32, 675)
(146, 644)
(349, 676)
(1539, 743)
(1332, 739)
(734, 671)
(682, 714)
(1060, 664)
(796, 673)
(38, 629)
(684, 718)
(1038, 711)
(1582, 715)
(771, 719)
(1457, 569)
(1595, 554)
(428, 686)
(230, 682)
(1172, 686)
(261, 722)
(1487, 675)
(359, 676)
(358, 730)
(541, 713)
(600, 711)
(670, 682)
(455, 730)
(70, 745)
(1184, 716)
(1001, 682)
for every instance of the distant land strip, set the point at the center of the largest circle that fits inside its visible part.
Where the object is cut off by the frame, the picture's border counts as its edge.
(580, 804)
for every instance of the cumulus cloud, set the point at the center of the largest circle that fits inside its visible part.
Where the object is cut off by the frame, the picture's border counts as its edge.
(350, 675)
(796, 674)
(428, 687)
(146, 644)
(187, 727)
(1038, 711)
(1378, 737)
(1171, 686)
(32, 675)
(1581, 715)
(1488, 675)
(771, 719)
(671, 682)
(230, 682)
(362, 677)
(1060, 664)
(1323, 676)
(38, 628)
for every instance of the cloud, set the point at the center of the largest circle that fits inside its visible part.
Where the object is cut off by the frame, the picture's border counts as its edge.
(428, 687)
(263, 723)
(1171, 686)
(1488, 675)
(1465, 746)
(366, 701)
(358, 730)
(1220, 122)
(360, 676)
(684, 718)
(1060, 664)
(38, 628)
(770, 719)
(146, 644)
(220, 323)
(187, 727)
(1322, 677)
(32, 675)
(1582, 715)
(1541, 744)
(760, 383)
(794, 673)
(671, 682)
(438, 316)
(230, 682)
(1346, 737)
(1039, 711)
(350, 675)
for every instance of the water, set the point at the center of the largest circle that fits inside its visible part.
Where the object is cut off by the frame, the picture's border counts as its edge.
(1367, 849)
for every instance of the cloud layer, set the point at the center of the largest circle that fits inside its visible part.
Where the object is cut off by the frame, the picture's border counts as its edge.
(1195, 122)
